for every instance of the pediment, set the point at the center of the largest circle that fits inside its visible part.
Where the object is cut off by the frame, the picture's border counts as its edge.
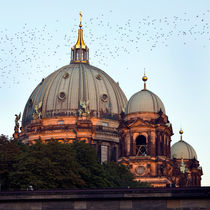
(138, 122)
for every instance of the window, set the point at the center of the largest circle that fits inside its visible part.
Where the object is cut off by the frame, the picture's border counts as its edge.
(104, 97)
(141, 146)
(77, 55)
(72, 55)
(62, 96)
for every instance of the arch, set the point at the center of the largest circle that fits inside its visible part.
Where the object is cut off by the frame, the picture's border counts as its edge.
(141, 145)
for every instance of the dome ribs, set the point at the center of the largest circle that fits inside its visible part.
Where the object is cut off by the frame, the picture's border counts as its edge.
(80, 84)
(144, 101)
(95, 95)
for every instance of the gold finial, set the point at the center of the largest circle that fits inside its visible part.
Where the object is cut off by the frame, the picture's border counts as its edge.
(144, 78)
(181, 132)
(80, 52)
(80, 13)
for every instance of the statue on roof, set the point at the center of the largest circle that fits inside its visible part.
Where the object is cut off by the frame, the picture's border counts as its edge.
(17, 125)
(84, 108)
(37, 111)
(17, 118)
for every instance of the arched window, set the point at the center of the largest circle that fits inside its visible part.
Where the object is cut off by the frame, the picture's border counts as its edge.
(141, 146)
(72, 55)
(77, 55)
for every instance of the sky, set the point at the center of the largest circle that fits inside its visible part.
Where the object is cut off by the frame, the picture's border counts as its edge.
(169, 40)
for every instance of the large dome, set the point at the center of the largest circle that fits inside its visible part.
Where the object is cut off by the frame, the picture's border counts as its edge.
(144, 101)
(182, 149)
(62, 92)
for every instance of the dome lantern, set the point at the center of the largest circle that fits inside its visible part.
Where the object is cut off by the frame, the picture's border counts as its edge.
(80, 51)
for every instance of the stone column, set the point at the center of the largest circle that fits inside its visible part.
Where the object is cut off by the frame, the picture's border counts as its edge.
(131, 144)
(153, 169)
(152, 143)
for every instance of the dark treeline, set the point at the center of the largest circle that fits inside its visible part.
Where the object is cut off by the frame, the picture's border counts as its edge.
(57, 166)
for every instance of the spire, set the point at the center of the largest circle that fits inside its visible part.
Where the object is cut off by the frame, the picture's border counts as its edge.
(80, 52)
(80, 14)
(181, 132)
(144, 78)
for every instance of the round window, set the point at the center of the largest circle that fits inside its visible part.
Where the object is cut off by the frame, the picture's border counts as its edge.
(104, 97)
(62, 96)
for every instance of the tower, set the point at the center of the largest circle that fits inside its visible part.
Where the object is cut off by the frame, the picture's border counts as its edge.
(185, 158)
(145, 138)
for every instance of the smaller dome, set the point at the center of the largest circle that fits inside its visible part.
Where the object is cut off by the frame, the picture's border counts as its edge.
(144, 101)
(182, 149)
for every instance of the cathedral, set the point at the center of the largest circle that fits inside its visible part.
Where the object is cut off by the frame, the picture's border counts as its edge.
(80, 102)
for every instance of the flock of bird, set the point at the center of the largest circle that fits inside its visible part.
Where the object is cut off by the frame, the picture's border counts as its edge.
(33, 50)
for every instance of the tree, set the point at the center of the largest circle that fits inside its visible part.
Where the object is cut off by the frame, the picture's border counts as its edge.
(58, 166)
(8, 149)
(46, 166)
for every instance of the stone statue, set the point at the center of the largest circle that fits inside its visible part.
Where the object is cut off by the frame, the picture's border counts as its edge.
(37, 111)
(84, 108)
(17, 118)
(17, 125)
(182, 166)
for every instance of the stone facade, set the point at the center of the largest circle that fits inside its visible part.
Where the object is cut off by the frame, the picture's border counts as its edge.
(145, 149)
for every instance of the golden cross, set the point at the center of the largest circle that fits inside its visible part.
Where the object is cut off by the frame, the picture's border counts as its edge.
(80, 17)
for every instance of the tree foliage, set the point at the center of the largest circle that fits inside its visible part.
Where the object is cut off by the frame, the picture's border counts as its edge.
(57, 166)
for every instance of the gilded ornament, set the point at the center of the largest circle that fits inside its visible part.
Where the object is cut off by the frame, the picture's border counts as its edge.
(144, 78)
